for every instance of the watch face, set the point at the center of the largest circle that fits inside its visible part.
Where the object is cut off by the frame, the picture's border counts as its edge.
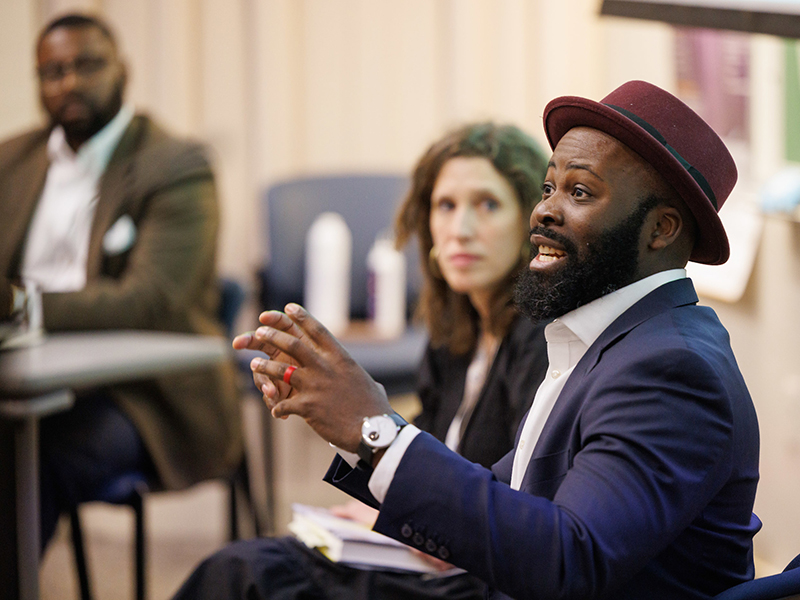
(378, 432)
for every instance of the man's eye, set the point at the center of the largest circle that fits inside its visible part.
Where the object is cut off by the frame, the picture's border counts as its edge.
(84, 66)
(51, 72)
(547, 189)
(580, 193)
(89, 65)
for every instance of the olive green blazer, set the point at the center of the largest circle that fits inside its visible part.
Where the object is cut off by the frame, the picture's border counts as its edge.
(162, 278)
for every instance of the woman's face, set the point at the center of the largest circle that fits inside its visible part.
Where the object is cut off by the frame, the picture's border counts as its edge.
(477, 226)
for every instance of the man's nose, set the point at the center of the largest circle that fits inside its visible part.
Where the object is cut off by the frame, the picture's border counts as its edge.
(70, 80)
(547, 212)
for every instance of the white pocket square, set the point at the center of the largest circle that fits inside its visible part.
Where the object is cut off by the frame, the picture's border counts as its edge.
(120, 236)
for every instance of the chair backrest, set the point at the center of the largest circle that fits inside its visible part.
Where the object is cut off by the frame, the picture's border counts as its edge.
(366, 201)
(232, 296)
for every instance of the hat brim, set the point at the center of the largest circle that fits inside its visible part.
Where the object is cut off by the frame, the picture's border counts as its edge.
(567, 112)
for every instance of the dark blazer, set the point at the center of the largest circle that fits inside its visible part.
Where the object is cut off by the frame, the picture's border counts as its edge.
(518, 368)
(165, 281)
(640, 486)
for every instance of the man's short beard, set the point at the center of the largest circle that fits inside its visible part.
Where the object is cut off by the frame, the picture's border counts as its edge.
(610, 263)
(100, 117)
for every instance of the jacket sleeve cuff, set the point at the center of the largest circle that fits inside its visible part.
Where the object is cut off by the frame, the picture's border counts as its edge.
(383, 474)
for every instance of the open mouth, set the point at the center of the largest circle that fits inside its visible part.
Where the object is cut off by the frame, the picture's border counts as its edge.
(549, 254)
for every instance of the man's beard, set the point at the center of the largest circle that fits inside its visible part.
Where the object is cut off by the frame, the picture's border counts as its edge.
(610, 263)
(99, 117)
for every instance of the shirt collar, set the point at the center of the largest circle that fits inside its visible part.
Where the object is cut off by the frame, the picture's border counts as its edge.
(96, 152)
(590, 320)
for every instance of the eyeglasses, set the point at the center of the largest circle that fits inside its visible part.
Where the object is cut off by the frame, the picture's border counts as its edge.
(84, 66)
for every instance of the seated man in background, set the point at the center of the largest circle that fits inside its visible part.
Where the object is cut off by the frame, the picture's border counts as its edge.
(635, 471)
(114, 223)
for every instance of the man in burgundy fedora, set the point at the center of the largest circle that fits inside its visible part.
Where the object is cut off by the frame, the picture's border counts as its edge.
(635, 471)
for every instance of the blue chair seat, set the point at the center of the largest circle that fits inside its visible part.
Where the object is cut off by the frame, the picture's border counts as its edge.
(124, 487)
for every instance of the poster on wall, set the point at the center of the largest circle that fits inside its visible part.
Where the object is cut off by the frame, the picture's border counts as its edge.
(713, 77)
(792, 99)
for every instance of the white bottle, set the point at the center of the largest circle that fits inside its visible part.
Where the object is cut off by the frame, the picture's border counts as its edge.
(387, 288)
(329, 250)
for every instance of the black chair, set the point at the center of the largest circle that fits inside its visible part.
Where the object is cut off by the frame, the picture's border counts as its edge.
(783, 586)
(367, 202)
(129, 489)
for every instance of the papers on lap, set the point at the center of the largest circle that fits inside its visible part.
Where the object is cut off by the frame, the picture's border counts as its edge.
(350, 542)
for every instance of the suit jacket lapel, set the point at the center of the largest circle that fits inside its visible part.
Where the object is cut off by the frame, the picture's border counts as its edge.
(18, 205)
(562, 417)
(114, 192)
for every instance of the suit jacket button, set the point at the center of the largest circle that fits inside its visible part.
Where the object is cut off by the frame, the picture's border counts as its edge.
(431, 546)
(418, 539)
(443, 553)
(406, 531)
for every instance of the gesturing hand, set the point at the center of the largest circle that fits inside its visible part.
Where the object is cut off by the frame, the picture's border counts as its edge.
(328, 388)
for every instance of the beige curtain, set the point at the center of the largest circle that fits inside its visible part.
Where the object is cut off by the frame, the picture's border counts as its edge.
(280, 87)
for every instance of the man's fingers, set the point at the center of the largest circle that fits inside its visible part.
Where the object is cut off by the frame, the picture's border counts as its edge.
(242, 341)
(271, 394)
(280, 321)
(286, 343)
(315, 330)
(248, 341)
(285, 408)
(275, 371)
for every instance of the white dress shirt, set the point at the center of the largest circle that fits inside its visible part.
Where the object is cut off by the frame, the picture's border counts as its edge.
(568, 338)
(57, 246)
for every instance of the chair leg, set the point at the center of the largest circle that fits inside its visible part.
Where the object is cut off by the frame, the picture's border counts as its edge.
(79, 554)
(137, 502)
(241, 480)
(269, 472)
(233, 513)
(251, 507)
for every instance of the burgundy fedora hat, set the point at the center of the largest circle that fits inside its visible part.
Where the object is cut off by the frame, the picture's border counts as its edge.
(673, 139)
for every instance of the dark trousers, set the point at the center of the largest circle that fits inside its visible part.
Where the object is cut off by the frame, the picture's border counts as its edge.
(285, 569)
(82, 450)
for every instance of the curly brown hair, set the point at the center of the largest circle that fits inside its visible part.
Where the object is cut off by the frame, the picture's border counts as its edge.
(451, 319)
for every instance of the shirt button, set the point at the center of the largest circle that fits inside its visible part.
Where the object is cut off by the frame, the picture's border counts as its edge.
(555, 373)
(522, 443)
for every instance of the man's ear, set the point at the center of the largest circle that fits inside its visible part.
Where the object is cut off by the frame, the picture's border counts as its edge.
(667, 226)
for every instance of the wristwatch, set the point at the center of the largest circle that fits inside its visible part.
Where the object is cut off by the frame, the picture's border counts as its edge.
(377, 433)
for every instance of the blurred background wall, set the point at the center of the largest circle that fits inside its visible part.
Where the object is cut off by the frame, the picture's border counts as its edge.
(283, 87)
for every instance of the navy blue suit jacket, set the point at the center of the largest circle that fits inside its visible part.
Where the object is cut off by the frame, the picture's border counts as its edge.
(641, 484)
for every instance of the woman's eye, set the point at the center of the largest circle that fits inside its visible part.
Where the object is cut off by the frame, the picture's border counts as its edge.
(444, 205)
(490, 204)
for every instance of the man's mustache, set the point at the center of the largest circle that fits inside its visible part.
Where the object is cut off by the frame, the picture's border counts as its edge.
(568, 245)
(73, 97)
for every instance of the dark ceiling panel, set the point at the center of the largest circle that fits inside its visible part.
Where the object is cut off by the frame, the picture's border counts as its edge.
(737, 19)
